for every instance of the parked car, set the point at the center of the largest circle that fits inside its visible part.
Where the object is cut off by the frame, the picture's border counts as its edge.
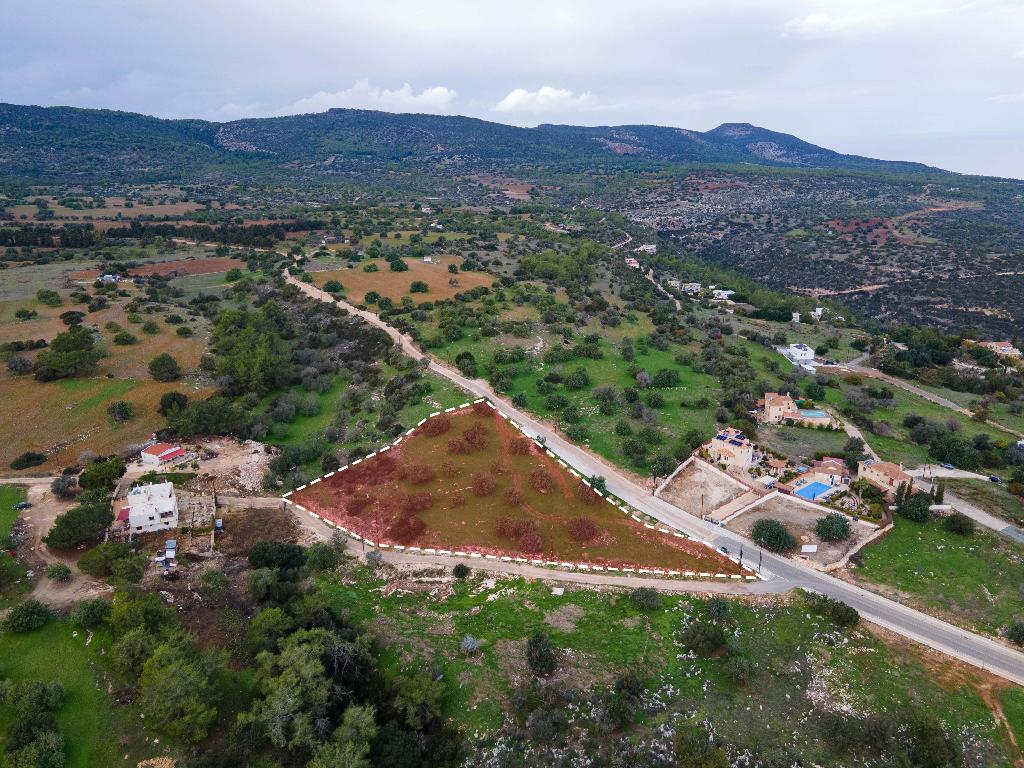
(948, 466)
(23, 505)
(995, 479)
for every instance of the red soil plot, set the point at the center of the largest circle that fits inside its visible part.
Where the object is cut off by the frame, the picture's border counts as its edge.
(178, 268)
(469, 480)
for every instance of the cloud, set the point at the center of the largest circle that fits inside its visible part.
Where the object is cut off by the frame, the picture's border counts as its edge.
(1019, 54)
(1006, 98)
(546, 99)
(821, 25)
(362, 95)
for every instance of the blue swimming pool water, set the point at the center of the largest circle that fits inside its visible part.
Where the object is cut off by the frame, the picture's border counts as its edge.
(812, 491)
(816, 414)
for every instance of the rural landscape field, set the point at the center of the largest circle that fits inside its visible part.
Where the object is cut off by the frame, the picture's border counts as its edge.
(417, 388)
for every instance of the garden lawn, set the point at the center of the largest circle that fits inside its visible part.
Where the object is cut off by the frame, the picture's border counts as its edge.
(976, 582)
(801, 443)
(9, 496)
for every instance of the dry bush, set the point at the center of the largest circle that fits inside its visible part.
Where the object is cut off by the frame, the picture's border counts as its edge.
(531, 542)
(358, 503)
(541, 480)
(586, 494)
(519, 446)
(406, 529)
(499, 467)
(582, 529)
(420, 473)
(513, 496)
(510, 528)
(458, 447)
(483, 485)
(476, 437)
(420, 501)
(457, 499)
(482, 409)
(449, 468)
(400, 472)
(437, 425)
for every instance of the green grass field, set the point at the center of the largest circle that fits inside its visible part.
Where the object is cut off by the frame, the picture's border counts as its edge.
(94, 734)
(9, 496)
(975, 581)
(602, 634)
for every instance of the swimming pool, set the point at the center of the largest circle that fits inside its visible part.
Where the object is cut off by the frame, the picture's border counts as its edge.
(813, 491)
(813, 414)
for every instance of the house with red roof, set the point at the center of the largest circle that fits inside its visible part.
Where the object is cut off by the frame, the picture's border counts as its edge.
(161, 453)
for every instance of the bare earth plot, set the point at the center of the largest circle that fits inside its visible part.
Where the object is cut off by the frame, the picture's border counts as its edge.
(470, 480)
(800, 519)
(700, 487)
(356, 283)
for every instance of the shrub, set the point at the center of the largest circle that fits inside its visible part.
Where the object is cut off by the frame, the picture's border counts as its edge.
(483, 485)
(773, 536)
(704, 638)
(531, 542)
(276, 554)
(125, 339)
(19, 366)
(541, 480)
(333, 286)
(48, 297)
(184, 331)
(58, 572)
(420, 501)
(719, 609)
(833, 527)
(321, 556)
(358, 503)
(374, 559)
(916, 507)
(470, 645)
(64, 487)
(121, 411)
(540, 655)
(1016, 633)
(646, 599)
(407, 529)
(519, 446)
(840, 613)
(171, 401)
(26, 616)
(582, 529)
(150, 327)
(460, 571)
(420, 473)
(458, 447)
(437, 425)
(418, 286)
(476, 437)
(28, 459)
(449, 469)
(513, 496)
(89, 613)
(959, 523)
(214, 586)
(163, 367)
(509, 528)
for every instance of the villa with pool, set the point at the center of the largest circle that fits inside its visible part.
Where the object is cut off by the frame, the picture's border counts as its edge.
(775, 408)
(822, 479)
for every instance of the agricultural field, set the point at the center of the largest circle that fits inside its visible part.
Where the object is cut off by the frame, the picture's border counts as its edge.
(801, 443)
(65, 417)
(469, 479)
(975, 581)
(798, 668)
(176, 267)
(441, 284)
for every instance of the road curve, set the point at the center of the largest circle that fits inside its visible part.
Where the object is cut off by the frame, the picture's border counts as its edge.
(973, 649)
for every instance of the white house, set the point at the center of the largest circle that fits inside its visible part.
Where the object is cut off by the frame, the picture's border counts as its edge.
(722, 294)
(799, 353)
(650, 248)
(150, 508)
(160, 453)
(817, 313)
(632, 263)
(796, 317)
(691, 288)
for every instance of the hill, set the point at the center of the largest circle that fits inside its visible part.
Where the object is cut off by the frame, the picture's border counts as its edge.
(66, 143)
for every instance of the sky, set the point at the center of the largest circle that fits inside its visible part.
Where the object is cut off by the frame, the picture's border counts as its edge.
(930, 81)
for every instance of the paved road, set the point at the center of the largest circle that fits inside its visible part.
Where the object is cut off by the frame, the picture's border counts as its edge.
(923, 477)
(973, 649)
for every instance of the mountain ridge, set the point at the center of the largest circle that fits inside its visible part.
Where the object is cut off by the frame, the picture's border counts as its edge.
(41, 140)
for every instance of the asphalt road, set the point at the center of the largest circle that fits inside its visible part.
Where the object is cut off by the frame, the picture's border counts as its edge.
(965, 646)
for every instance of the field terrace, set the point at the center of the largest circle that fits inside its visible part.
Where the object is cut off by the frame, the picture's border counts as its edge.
(470, 482)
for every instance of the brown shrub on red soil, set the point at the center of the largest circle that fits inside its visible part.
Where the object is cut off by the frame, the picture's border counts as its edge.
(519, 446)
(541, 480)
(420, 501)
(583, 529)
(420, 473)
(476, 437)
(458, 447)
(499, 467)
(377, 472)
(513, 496)
(510, 528)
(437, 425)
(482, 409)
(358, 503)
(457, 499)
(449, 469)
(531, 542)
(586, 494)
(406, 529)
(483, 485)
